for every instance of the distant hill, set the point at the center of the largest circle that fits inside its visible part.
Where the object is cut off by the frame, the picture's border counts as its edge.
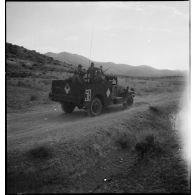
(20, 59)
(69, 58)
(119, 69)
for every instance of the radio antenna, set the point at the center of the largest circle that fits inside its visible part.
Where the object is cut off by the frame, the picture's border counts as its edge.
(91, 44)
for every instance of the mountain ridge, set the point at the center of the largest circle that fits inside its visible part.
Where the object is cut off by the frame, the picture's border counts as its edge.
(115, 68)
(20, 58)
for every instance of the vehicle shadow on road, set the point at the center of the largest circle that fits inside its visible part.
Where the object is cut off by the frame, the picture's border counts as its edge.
(113, 109)
(64, 117)
(82, 114)
(78, 115)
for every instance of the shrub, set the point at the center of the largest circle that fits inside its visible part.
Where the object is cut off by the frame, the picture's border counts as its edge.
(154, 109)
(123, 141)
(33, 97)
(148, 146)
(39, 153)
(150, 139)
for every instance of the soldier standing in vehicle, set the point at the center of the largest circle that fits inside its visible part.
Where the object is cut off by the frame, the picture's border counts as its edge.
(91, 71)
(127, 89)
(79, 73)
(101, 73)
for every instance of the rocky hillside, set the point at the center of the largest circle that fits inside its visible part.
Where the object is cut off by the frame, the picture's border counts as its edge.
(21, 62)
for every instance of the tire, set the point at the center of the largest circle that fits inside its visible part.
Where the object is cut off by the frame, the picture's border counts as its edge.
(67, 107)
(128, 101)
(95, 107)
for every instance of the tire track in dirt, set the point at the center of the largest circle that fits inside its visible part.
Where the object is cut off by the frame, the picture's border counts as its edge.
(48, 123)
(43, 131)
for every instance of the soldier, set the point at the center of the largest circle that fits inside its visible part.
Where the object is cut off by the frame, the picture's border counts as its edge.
(127, 89)
(131, 91)
(79, 73)
(91, 71)
(101, 73)
(91, 68)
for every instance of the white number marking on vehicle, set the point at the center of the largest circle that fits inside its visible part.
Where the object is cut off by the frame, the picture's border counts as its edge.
(88, 95)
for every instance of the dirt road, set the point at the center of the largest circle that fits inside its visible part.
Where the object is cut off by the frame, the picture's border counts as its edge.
(49, 124)
(49, 151)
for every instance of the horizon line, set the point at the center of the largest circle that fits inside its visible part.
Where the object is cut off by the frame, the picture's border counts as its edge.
(182, 70)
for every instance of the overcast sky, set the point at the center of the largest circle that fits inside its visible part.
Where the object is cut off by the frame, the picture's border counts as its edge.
(135, 33)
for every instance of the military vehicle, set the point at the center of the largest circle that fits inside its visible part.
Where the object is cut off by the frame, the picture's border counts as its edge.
(89, 94)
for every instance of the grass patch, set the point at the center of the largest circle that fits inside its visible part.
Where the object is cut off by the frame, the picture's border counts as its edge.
(158, 166)
(148, 146)
(160, 174)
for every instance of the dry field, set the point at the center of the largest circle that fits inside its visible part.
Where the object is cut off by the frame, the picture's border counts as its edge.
(133, 150)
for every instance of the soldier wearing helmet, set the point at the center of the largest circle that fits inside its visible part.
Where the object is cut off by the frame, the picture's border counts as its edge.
(102, 76)
(91, 68)
(79, 73)
(91, 71)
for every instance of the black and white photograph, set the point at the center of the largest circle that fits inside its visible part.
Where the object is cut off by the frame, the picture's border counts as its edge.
(97, 97)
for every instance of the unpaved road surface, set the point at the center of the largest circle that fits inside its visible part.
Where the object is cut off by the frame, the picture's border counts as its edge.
(48, 122)
(49, 151)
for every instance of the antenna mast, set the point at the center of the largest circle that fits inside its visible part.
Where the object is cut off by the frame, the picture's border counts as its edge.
(91, 44)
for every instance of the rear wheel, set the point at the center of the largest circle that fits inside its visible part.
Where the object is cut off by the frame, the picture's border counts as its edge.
(95, 107)
(67, 107)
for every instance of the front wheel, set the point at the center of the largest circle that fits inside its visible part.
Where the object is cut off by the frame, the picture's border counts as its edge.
(67, 107)
(95, 107)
